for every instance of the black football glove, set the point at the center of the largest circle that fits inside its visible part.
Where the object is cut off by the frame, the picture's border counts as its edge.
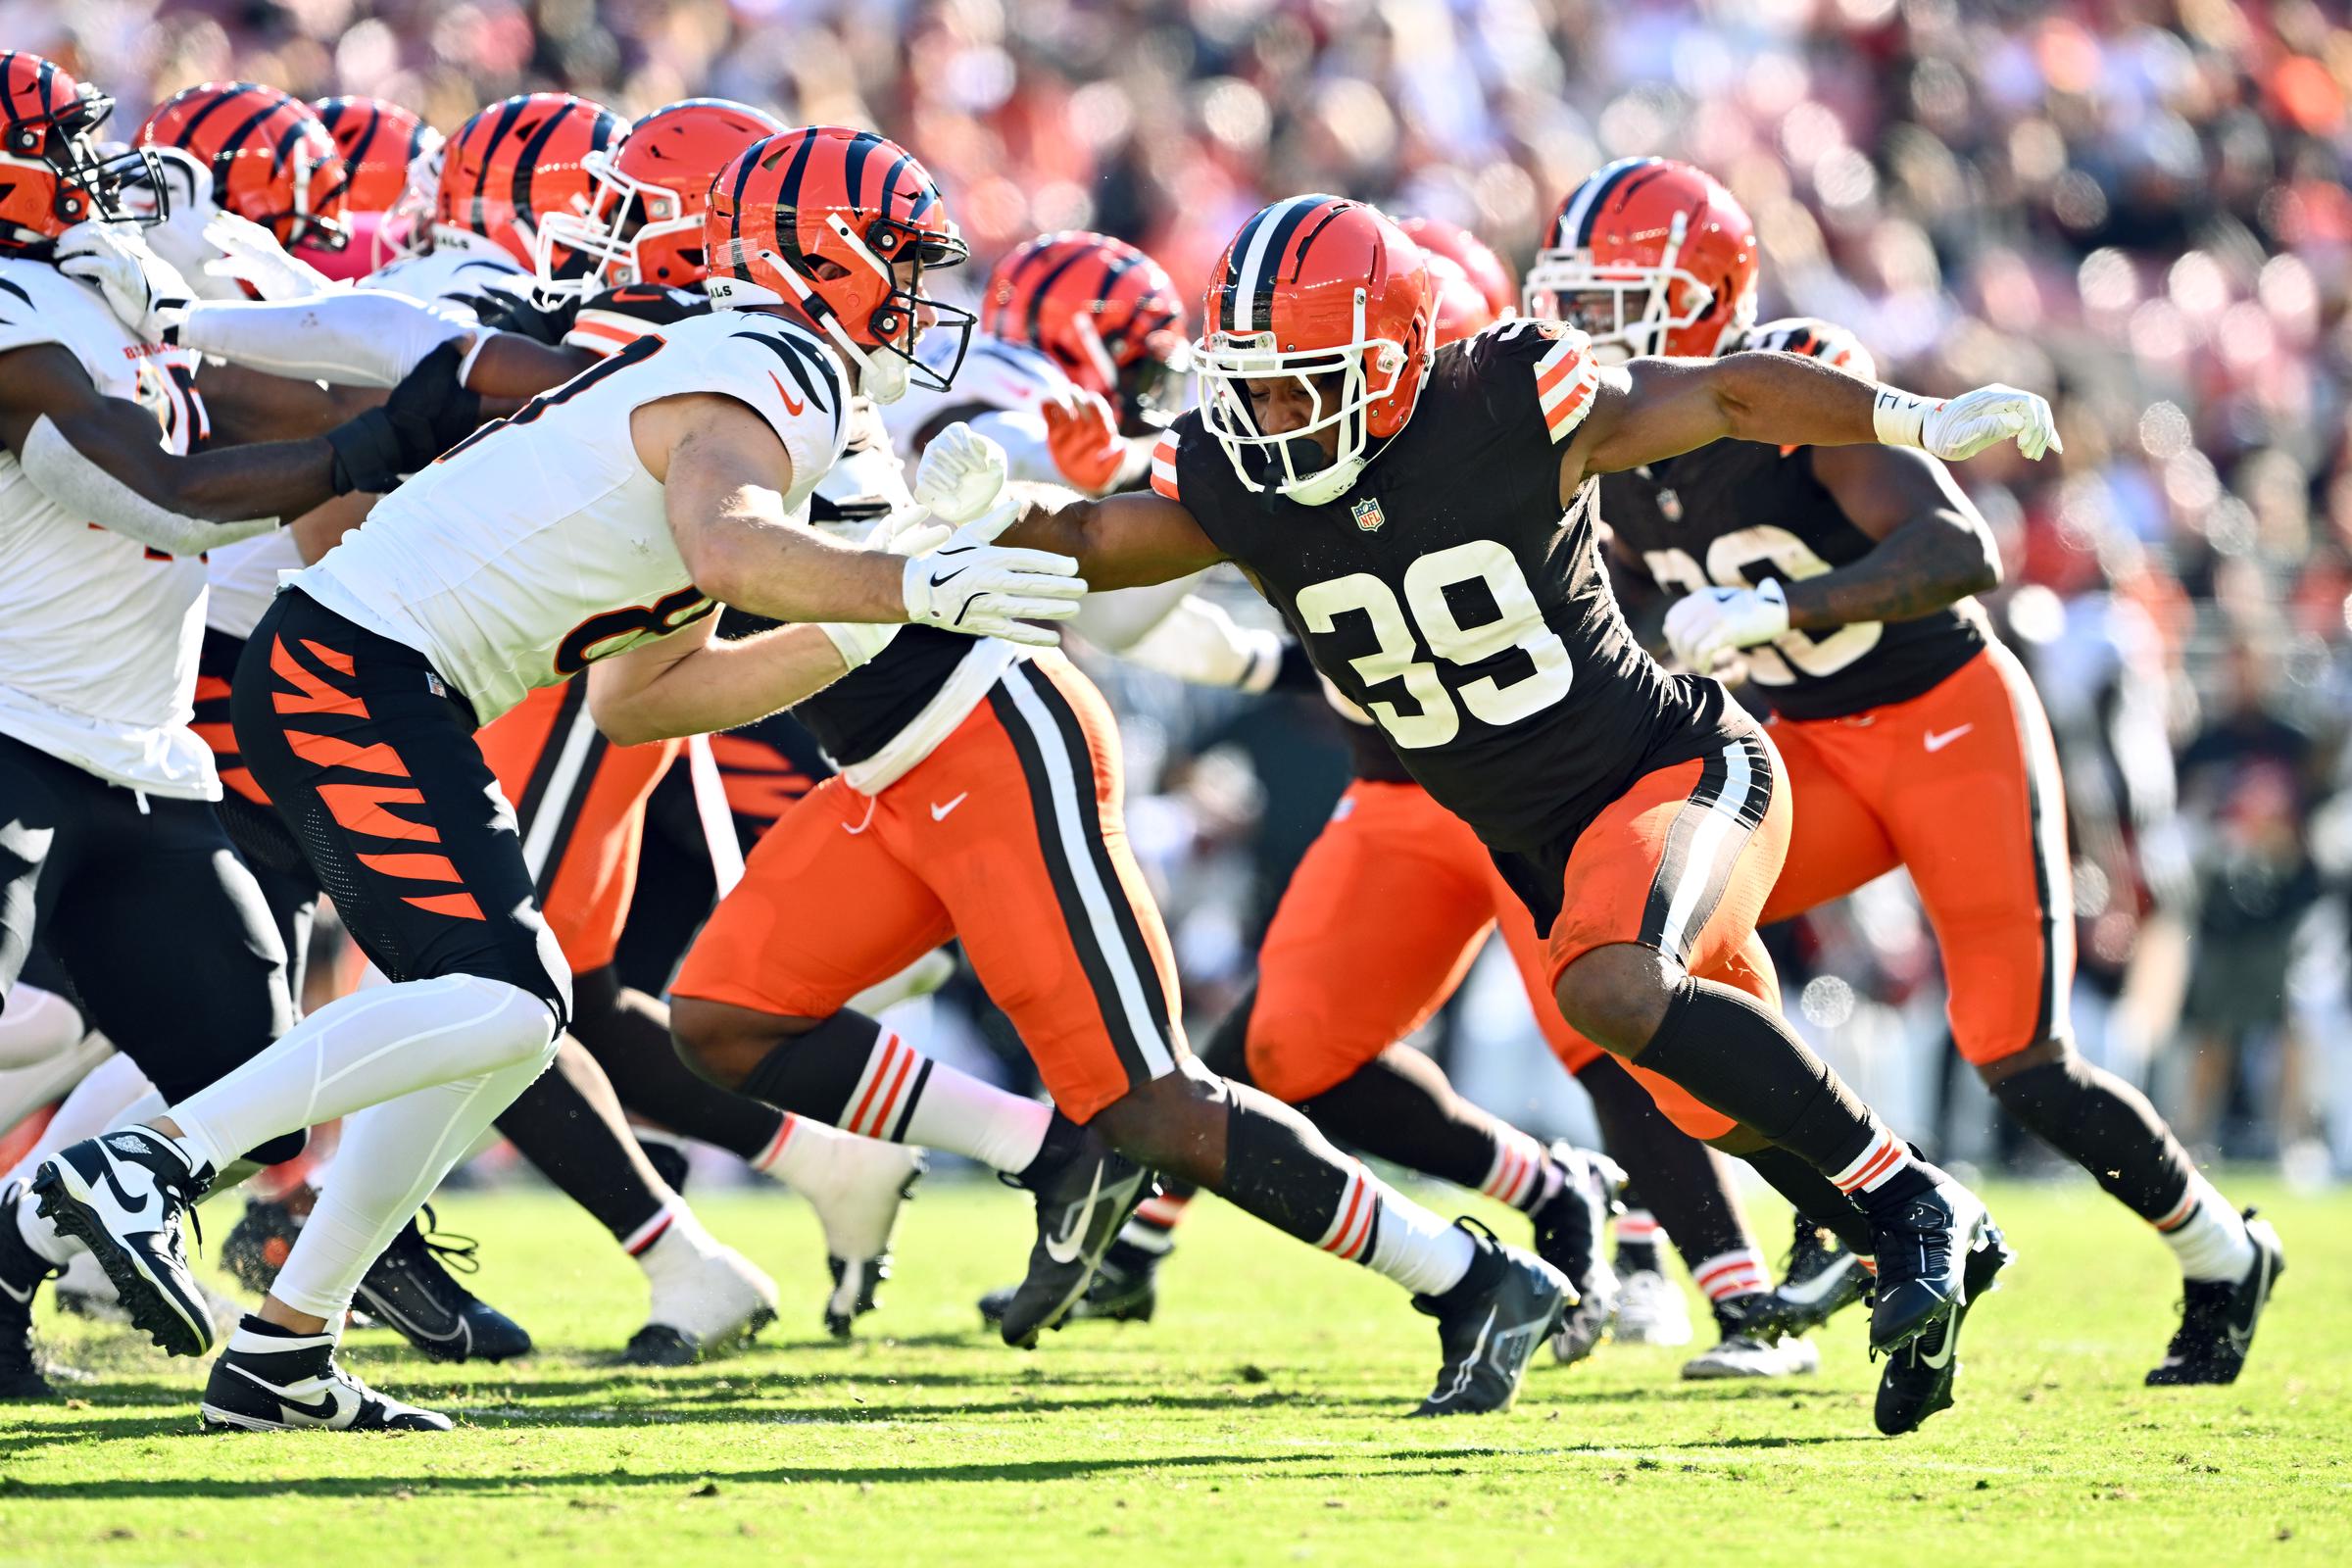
(425, 416)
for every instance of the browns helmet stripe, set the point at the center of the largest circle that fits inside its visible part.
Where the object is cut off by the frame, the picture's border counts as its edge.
(1574, 229)
(1281, 253)
(1250, 277)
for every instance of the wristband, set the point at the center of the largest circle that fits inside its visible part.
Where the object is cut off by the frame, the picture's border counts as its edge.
(1899, 417)
(858, 642)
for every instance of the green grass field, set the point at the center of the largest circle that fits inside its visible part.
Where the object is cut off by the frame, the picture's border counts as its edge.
(1257, 1421)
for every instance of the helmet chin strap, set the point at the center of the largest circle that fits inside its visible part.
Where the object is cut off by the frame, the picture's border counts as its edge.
(881, 377)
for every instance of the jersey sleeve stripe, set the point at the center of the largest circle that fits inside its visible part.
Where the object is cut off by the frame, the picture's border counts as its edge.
(1164, 466)
(1565, 378)
(604, 332)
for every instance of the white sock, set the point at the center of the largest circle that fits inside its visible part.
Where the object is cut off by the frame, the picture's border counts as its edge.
(802, 1150)
(2207, 1235)
(1524, 1174)
(1393, 1236)
(114, 1094)
(905, 1097)
(394, 1155)
(677, 1249)
(364, 1050)
(673, 1226)
(1733, 1274)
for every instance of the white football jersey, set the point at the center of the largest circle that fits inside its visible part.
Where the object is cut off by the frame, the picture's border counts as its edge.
(540, 544)
(998, 391)
(453, 276)
(98, 635)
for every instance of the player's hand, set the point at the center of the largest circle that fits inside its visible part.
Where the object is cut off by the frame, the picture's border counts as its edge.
(1708, 626)
(146, 293)
(183, 192)
(425, 416)
(961, 475)
(1958, 429)
(986, 590)
(249, 260)
(1083, 434)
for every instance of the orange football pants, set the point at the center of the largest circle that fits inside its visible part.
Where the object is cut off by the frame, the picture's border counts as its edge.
(580, 800)
(1010, 836)
(1960, 786)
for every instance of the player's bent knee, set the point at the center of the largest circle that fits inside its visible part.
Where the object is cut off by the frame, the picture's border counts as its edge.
(1617, 996)
(1287, 1059)
(514, 1026)
(722, 1044)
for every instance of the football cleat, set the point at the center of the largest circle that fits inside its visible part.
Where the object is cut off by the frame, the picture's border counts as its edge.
(1820, 1278)
(21, 1270)
(1081, 1200)
(2218, 1317)
(124, 1196)
(268, 1380)
(1754, 1341)
(706, 1298)
(1125, 1289)
(856, 1186)
(256, 1246)
(1570, 1235)
(1490, 1324)
(1650, 1310)
(412, 1290)
(1920, 1254)
(1917, 1380)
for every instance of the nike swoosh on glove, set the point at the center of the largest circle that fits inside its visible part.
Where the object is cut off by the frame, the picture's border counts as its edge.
(146, 293)
(984, 590)
(1705, 626)
(961, 475)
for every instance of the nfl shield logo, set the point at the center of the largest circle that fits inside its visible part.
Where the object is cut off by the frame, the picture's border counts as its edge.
(1367, 513)
(1670, 504)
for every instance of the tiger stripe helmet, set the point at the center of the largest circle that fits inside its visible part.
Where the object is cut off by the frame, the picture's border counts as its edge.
(1101, 310)
(1649, 256)
(513, 164)
(644, 222)
(52, 175)
(1331, 292)
(822, 219)
(273, 159)
(392, 155)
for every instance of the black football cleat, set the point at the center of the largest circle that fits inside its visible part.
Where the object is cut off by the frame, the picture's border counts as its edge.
(1821, 1278)
(857, 1291)
(124, 1197)
(1125, 1289)
(268, 1380)
(1919, 1377)
(1570, 1235)
(1081, 1200)
(1920, 1253)
(22, 1271)
(410, 1290)
(256, 1246)
(2218, 1318)
(1490, 1324)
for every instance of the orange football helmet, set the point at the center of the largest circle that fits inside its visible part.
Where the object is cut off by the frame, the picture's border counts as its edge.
(1649, 256)
(1311, 287)
(1101, 310)
(821, 219)
(52, 175)
(391, 155)
(273, 159)
(1481, 267)
(514, 165)
(644, 222)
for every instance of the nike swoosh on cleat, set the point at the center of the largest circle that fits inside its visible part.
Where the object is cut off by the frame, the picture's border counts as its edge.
(1943, 1359)
(148, 1207)
(327, 1410)
(1063, 1250)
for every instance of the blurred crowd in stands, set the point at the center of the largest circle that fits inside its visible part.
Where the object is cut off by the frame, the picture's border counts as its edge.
(2135, 207)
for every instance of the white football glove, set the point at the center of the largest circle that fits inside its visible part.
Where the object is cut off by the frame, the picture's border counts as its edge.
(985, 590)
(186, 188)
(1705, 628)
(146, 293)
(1960, 428)
(961, 475)
(247, 256)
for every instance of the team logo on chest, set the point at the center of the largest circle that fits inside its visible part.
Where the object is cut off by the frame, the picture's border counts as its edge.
(1367, 515)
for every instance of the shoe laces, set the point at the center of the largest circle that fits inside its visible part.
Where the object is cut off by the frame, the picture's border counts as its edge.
(454, 1253)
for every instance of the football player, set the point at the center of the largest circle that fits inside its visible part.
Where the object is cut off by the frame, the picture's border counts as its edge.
(1843, 576)
(106, 814)
(392, 156)
(1378, 927)
(1639, 814)
(594, 528)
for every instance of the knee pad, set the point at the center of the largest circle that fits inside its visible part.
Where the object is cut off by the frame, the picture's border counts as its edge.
(514, 1026)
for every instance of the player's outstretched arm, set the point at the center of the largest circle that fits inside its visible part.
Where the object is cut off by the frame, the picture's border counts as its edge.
(1119, 540)
(727, 475)
(1933, 549)
(1649, 410)
(98, 457)
(693, 683)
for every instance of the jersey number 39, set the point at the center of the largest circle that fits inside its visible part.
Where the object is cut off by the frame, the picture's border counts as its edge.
(1436, 718)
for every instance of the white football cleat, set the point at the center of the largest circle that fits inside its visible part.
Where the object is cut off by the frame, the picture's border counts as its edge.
(1650, 1310)
(856, 1186)
(1740, 1356)
(706, 1298)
